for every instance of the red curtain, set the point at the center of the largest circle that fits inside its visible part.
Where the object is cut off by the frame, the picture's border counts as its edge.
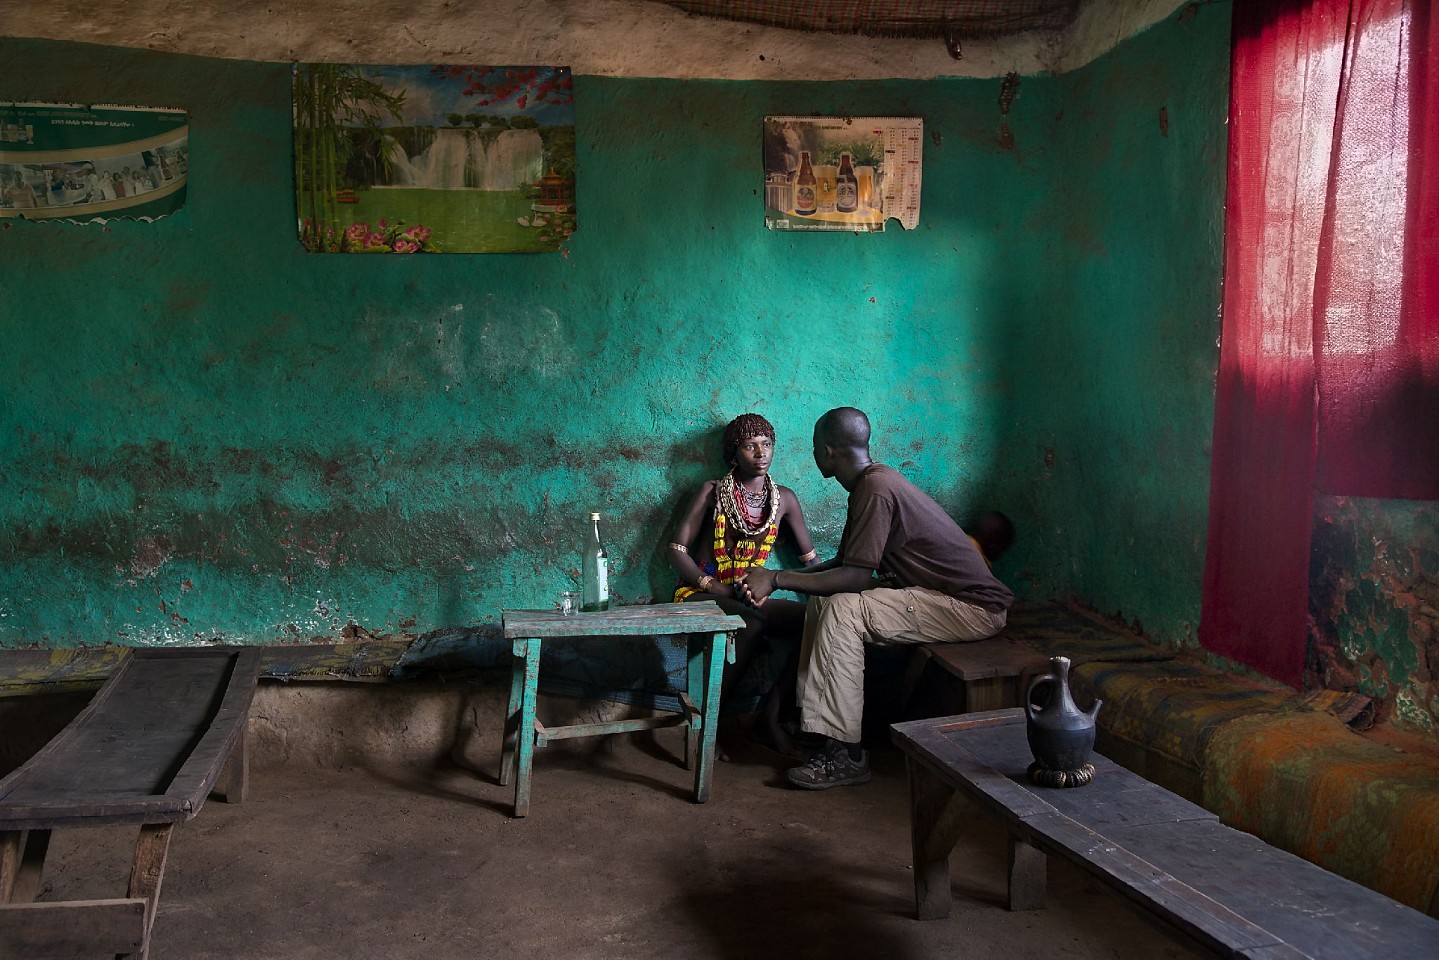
(1329, 357)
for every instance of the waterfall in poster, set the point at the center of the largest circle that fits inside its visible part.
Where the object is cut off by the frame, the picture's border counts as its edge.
(456, 158)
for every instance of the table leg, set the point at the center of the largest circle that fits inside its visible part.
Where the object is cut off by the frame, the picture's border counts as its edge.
(150, 852)
(512, 713)
(935, 816)
(1027, 871)
(714, 657)
(525, 749)
(695, 688)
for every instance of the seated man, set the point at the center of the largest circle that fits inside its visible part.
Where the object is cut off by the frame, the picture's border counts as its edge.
(934, 587)
(731, 526)
(993, 535)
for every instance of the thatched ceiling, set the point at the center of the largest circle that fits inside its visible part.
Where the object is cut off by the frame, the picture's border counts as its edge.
(963, 19)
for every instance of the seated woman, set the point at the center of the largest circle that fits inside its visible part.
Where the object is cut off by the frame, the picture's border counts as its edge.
(731, 525)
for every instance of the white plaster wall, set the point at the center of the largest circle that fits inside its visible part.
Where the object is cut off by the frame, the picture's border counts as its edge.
(623, 38)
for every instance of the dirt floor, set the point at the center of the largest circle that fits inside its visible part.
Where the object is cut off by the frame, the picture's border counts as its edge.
(388, 861)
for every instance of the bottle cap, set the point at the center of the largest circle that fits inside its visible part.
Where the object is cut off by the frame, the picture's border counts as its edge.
(594, 516)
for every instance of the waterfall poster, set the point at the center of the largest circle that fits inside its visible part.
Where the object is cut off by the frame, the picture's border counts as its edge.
(90, 163)
(434, 159)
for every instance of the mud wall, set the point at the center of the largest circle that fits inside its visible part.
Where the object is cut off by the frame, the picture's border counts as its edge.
(1112, 336)
(208, 433)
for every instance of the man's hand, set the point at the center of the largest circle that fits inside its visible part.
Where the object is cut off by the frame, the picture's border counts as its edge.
(757, 584)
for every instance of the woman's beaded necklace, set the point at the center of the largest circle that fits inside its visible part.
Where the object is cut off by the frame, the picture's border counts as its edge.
(747, 510)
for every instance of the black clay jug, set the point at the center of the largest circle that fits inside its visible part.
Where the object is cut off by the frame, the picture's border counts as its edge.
(1061, 735)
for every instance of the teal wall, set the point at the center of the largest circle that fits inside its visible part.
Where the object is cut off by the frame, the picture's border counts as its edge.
(206, 432)
(1111, 347)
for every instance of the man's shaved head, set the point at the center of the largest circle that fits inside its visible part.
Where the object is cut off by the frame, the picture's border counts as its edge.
(843, 428)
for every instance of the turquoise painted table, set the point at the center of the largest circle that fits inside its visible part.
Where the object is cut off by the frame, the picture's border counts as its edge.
(711, 645)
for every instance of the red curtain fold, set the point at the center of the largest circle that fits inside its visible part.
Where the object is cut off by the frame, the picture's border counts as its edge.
(1329, 357)
(1377, 310)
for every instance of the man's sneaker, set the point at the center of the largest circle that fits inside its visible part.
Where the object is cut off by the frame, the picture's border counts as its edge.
(831, 767)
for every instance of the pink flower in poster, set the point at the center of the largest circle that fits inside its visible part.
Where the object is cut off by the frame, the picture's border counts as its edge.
(406, 246)
(357, 232)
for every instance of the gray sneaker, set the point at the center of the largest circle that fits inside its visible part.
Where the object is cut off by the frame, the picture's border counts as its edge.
(831, 767)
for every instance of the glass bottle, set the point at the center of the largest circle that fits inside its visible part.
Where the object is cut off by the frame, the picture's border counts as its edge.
(846, 187)
(595, 594)
(805, 186)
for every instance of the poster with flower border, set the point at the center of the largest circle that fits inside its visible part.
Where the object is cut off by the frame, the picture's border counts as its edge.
(87, 164)
(434, 159)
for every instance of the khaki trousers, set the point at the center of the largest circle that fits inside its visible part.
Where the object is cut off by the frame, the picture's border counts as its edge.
(836, 628)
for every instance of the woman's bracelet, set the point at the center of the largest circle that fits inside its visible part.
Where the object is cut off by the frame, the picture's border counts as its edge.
(807, 557)
(680, 547)
(706, 582)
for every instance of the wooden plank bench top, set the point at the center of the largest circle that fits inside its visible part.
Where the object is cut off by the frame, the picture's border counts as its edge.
(146, 750)
(1220, 889)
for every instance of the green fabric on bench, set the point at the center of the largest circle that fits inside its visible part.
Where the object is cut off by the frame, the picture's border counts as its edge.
(1303, 781)
(1173, 707)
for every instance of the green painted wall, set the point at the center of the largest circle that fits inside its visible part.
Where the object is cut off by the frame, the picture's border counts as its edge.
(1112, 341)
(206, 432)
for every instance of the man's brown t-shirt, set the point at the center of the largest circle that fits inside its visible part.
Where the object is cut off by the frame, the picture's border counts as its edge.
(894, 528)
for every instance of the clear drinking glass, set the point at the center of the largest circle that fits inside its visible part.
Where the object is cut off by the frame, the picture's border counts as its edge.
(569, 603)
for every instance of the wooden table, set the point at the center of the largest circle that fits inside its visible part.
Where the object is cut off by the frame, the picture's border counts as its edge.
(146, 750)
(1220, 889)
(711, 644)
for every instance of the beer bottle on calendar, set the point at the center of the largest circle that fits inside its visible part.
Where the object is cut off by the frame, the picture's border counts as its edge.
(595, 590)
(846, 186)
(805, 186)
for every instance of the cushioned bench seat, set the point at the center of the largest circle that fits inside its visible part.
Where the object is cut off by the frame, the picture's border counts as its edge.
(1257, 755)
(1305, 782)
(1159, 717)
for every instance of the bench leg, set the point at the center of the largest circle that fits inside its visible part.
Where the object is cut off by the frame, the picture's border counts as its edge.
(150, 852)
(712, 673)
(936, 814)
(11, 842)
(512, 715)
(22, 861)
(1027, 873)
(236, 775)
(525, 748)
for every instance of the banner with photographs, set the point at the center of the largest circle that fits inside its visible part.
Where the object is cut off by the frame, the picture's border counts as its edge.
(842, 173)
(434, 159)
(91, 163)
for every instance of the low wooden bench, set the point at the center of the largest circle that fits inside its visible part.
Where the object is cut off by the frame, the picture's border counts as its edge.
(146, 750)
(1217, 888)
(970, 677)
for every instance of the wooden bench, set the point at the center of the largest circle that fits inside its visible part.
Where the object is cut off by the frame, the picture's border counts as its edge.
(970, 677)
(146, 750)
(1219, 889)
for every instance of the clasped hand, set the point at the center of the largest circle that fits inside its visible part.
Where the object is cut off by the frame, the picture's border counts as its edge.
(755, 585)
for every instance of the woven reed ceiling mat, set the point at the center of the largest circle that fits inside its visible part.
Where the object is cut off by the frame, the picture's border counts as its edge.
(895, 18)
